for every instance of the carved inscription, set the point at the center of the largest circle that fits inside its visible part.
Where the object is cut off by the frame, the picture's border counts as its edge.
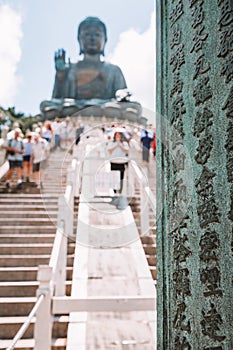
(177, 60)
(201, 66)
(202, 91)
(176, 12)
(202, 122)
(181, 343)
(225, 51)
(199, 39)
(226, 42)
(209, 244)
(226, 17)
(211, 323)
(176, 37)
(198, 14)
(207, 209)
(179, 198)
(227, 69)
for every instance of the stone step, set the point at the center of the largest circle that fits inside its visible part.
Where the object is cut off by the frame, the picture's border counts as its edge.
(10, 325)
(31, 248)
(27, 238)
(148, 239)
(151, 232)
(27, 260)
(151, 259)
(149, 249)
(23, 288)
(18, 289)
(16, 306)
(28, 273)
(153, 271)
(19, 197)
(24, 221)
(28, 207)
(51, 228)
(19, 215)
(29, 344)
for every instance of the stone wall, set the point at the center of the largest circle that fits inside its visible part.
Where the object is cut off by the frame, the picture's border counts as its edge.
(195, 174)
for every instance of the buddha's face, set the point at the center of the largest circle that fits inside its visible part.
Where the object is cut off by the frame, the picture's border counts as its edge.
(92, 39)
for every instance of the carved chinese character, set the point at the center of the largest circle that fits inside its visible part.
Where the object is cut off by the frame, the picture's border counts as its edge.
(226, 42)
(181, 282)
(201, 66)
(192, 2)
(182, 344)
(211, 276)
(204, 184)
(176, 138)
(181, 251)
(211, 323)
(178, 108)
(226, 14)
(198, 40)
(229, 104)
(204, 149)
(179, 161)
(180, 321)
(177, 85)
(198, 14)
(180, 192)
(208, 213)
(202, 91)
(227, 69)
(176, 12)
(178, 58)
(177, 215)
(202, 122)
(176, 36)
(209, 244)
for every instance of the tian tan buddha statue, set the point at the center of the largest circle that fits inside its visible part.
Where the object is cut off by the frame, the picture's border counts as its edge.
(91, 81)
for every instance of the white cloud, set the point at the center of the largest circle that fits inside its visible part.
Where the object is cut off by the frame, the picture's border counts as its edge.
(10, 53)
(135, 55)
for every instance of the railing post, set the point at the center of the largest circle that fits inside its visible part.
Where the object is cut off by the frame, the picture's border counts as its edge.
(144, 208)
(43, 324)
(60, 271)
(66, 214)
(78, 178)
(131, 180)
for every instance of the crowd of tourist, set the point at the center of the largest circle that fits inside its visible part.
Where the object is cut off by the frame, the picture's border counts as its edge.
(29, 154)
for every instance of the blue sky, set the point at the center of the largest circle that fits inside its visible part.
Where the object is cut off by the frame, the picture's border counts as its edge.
(32, 30)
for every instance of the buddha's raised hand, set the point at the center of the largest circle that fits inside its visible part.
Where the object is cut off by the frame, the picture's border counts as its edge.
(60, 60)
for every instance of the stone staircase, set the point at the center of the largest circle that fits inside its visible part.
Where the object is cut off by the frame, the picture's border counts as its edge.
(27, 231)
(148, 240)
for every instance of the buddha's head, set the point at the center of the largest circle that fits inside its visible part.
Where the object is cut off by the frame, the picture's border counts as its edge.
(92, 36)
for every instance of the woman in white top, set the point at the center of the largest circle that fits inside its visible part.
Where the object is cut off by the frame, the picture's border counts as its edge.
(118, 149)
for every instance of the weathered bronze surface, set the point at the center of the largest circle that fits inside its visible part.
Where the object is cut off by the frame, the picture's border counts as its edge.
(90, 81)
(195, 174)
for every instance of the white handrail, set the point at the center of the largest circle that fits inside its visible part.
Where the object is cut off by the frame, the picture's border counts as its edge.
(26, 324)
(147, 198)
